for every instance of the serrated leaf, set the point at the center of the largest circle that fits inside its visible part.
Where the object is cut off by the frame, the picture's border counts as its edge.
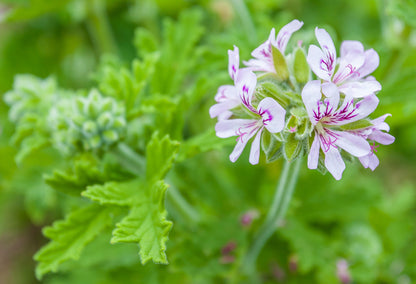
(146, 224)
(145, 42)
(160, 155)
(280, 64)
(70, 236)
(359, 124)
(29, 145)
(116, 193)
(84, 172)
(301, 67)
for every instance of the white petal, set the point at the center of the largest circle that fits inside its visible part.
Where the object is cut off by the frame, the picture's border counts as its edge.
(285, 33)
(373, 161)
(241, 144)
(381, 137)
(315, 58)
(325, 41)
(313, 157)
(360, 89)
(233, 62)
(380, 124)
(260, 65)
(351, 46)
(353, 144)
(330, 90)
(334, 163)
(348, 112)
(371, 63)
(365, 160)
(226, 92)
(255, 149)
(218, 109)
(232, 127)
(311, 95)
(273, 115)
(246, 84)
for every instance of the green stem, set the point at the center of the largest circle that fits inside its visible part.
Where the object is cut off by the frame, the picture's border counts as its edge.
(99, 28)
(281, 200)
(246, 20)
(136, 164)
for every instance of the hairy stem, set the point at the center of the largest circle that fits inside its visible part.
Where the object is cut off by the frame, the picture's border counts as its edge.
(99, 28)
(281, 200)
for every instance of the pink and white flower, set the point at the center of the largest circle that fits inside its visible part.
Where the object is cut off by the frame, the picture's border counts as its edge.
(268, 115)
(375, 133)
(349, 72)
(326, 116)
(263, 54)
(227, 95)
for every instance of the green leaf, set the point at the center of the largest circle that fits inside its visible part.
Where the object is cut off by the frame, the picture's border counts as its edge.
(74, 180)
(70, 236)
(280, 64)
(116, 193)
(36, 8)
(301, 67)
(362, 123)
(160, 155)
(146, 224)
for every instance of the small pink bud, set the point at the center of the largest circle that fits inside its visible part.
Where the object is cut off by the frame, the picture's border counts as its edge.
(278, 273)
(248, 218)
(343, 272)
(228, 248)
(293, 263)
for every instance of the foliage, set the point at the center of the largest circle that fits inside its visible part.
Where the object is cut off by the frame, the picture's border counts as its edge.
(116, 157)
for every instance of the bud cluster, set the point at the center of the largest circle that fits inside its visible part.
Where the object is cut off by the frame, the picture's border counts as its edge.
(91, 123)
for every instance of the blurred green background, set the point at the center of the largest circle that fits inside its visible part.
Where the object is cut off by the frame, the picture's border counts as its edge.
(368, 218)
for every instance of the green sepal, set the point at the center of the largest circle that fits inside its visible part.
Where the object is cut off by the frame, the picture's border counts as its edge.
(280, 64)
(271, 146)
(70, 236)
(292, 147)
(359, 124)
(273, 90)
(301, 67)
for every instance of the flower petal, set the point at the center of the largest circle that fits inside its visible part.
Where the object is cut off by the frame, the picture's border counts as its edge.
(380, 124)
(285, 33)
(313, 157)
(365, 160)
(315, 60)
(349, 112)
(234, 127)
(226, 92)
(233, 62)
(351, 46)
(246, 83)
(260, 65)
(255, 149)
(273, 114)
(353, 144)
(360, 89)
(381, 137)
(371, 62)
(330, 90)
(334, 163)
(264, 50)
(373, 161)
(222, 107)
(311, 95)
(241, 144)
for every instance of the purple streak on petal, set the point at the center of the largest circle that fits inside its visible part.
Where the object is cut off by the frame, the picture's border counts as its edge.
(285, 33)
(255, 148)
(334, 163)
(328, 139)
(313, 156)
(355, 145)
(327, 62)
(233, 62)
(273, 115)
(226, 92)
(242, 140)
(349, 112)
(311, 95)
(246, 84)
(315, 59)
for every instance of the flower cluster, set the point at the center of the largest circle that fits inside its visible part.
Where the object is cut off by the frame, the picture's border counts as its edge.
(275, 100)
